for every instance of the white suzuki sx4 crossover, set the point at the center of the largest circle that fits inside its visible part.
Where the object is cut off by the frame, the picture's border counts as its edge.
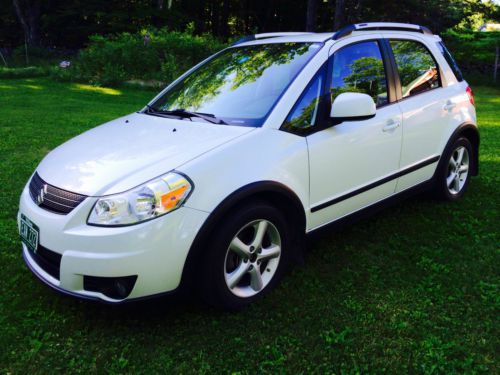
(216, 182)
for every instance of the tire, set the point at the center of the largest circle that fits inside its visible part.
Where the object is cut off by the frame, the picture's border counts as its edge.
(454, 172)
(237, 269)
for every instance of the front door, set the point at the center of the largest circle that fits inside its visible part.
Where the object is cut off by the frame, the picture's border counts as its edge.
(353, 163)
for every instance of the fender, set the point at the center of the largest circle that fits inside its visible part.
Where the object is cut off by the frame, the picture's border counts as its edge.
(274, 192)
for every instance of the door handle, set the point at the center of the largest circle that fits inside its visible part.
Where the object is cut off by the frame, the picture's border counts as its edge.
(391, 126)
(449, 105)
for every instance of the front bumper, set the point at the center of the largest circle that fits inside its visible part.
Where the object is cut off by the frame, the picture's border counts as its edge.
(154, 251)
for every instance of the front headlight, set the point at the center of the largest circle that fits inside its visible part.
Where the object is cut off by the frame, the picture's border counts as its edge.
(145, 202)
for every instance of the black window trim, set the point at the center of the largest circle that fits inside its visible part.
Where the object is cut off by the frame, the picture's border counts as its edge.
(321, 106)
(397, 78)
(387, 69)
(455, 69)
(323, 120)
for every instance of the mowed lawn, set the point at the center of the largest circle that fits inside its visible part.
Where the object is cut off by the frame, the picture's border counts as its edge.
(414, 288)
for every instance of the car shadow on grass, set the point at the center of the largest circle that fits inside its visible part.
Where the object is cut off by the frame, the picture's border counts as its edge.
(331, 252)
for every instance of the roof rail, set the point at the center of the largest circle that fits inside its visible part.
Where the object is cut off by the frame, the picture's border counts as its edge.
(389, 26)
(249, 38)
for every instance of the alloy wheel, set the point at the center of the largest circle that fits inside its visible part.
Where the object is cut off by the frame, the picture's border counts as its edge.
(458, 170)
(252, 258)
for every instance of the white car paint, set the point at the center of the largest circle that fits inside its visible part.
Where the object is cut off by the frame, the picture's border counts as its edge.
(128, 151)
(317, 168)
(348, 103)
(360, 146)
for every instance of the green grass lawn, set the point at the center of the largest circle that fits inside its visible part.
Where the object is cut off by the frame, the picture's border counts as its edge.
(414, 288)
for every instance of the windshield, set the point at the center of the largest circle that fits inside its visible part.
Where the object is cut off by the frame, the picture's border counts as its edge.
(240, 85)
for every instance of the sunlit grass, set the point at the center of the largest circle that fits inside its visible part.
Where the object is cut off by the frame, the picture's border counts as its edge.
(33, 87)
(413, 289)
(100, 90)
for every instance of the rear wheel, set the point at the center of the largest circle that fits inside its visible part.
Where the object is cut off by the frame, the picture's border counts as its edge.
(455, 170)
(247, 256)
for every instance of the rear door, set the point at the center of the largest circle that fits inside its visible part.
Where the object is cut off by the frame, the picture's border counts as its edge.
(425, 105)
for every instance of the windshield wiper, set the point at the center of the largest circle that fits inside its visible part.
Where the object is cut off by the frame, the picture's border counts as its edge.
(188, 114)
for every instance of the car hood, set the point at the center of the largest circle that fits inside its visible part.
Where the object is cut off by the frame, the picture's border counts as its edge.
(129, 151)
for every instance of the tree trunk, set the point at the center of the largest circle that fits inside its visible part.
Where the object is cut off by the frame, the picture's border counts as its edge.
(224, 27)
(497, 53)
(311, 15)
(28, 14)
(215, 17)
(200, 12)
(339, 14)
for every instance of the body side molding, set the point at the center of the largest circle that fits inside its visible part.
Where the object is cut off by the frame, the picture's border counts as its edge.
(382, 181)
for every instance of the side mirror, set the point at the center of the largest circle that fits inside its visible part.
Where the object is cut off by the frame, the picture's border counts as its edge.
(352, 106)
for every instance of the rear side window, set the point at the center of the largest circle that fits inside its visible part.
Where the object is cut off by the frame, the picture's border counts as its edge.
(359, 68)
(418, 71)
(451, 61)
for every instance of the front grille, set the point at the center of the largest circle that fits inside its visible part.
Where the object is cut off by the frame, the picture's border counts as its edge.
(48, 260)
(52, 198)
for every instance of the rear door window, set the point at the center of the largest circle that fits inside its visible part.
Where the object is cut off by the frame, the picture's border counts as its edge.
(418, 71)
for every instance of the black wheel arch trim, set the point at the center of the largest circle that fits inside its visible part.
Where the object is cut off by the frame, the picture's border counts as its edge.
(232, 200)
(466, 129)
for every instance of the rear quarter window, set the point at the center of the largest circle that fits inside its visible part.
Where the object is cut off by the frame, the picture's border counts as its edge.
(451, 61)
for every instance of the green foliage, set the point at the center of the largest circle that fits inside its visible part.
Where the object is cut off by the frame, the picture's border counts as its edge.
(367, 75)
(37, 56)
(28, 72)
(69, 23)
(110, 60)
(237, 67)
(474, 51)
(414, 289)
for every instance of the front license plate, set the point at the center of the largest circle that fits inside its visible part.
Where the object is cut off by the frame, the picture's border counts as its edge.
(29, 233)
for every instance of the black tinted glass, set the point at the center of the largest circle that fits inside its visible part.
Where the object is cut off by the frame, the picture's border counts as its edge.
(451, 61)
(360, 68)
(417, 68)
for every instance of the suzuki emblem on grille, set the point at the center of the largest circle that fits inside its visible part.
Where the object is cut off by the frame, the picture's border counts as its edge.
(41, 195)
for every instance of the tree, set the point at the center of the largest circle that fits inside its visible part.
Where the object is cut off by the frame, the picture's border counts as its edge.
(311, 15)
(28, 12)
(339, 14)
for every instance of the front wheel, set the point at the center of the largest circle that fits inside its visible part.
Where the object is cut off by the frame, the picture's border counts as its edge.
(454, 174)
(248, 256)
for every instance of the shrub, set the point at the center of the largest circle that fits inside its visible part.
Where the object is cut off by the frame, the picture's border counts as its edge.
(474, 51)
(28, 72)
(110, 60)
(37, 56)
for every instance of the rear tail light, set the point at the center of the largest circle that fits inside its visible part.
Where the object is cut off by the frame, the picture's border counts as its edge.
(470, 94)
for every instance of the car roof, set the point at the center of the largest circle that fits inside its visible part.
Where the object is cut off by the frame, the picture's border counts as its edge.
(354, 29)
(288, 38)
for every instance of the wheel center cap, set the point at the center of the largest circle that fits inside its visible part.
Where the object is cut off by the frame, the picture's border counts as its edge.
(253, 257)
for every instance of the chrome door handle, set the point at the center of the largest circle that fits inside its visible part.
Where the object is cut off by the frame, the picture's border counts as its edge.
(449, 106)
(391, 126)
